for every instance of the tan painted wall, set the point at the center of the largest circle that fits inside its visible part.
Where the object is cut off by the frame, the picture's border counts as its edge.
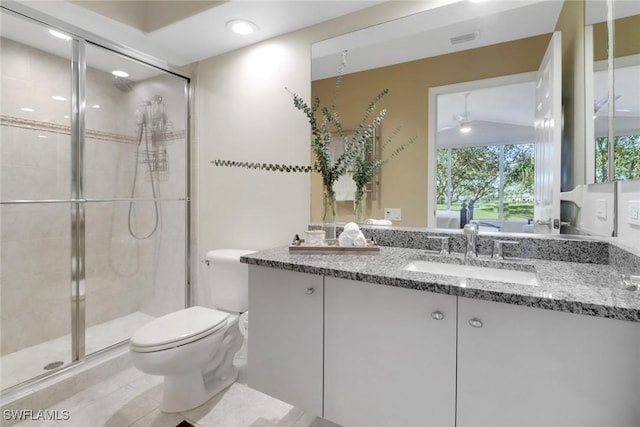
(403, 181)
(627, 38)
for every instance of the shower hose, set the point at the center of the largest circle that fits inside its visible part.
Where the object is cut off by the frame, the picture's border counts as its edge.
(141, 119)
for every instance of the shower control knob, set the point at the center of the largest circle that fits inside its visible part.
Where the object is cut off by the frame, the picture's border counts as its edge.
(476, 323)
(437, 315)
(309, 291)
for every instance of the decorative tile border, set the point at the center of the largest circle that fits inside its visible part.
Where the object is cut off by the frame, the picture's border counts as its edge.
(36, 125)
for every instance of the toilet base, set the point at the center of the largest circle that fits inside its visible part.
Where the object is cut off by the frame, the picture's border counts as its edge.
(187, 391)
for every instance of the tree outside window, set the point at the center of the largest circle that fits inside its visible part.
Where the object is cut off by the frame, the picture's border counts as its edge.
(626, 154)
(497, 180)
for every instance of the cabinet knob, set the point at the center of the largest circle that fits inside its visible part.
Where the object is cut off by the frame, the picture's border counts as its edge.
(476, 323)
(309, 291)
(437, 315)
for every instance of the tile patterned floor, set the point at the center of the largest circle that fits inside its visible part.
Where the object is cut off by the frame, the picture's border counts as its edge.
(132, 398)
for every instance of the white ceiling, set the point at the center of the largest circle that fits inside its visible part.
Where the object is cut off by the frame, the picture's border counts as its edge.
(497, 115)
(205, 34)
(417, 36)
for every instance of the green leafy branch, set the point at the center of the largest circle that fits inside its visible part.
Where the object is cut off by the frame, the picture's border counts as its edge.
(358, 156)
(366, 165)
(273, 167)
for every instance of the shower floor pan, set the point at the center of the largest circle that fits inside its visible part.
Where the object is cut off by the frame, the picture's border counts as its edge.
(30, 362)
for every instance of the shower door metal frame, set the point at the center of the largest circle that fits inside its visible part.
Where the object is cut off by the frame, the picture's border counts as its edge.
(78, 200)
(78, 91)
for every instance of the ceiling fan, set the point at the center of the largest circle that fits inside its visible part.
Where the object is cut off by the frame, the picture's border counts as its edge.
(600, 104)
(464, 124)
(467, 132)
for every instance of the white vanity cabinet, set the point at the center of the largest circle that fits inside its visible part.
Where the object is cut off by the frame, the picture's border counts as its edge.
(285, 336)
(390, 355)
(522, 366)
(367, 355)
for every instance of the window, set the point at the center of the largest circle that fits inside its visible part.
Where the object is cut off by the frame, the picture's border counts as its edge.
(496, 181)
(626, 153)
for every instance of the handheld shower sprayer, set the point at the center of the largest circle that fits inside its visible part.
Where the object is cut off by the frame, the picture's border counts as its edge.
(144, 118)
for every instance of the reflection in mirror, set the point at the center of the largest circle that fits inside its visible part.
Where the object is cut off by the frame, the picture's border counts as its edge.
(613, 87)
(450, 44)
(485, 164)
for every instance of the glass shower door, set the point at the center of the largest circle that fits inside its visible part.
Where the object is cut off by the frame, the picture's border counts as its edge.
(35, 209)
(93, 198)
(134, 183)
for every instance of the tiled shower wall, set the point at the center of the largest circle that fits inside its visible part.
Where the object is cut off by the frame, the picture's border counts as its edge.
(123, 274)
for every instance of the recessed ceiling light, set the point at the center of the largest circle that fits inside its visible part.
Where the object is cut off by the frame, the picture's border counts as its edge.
(95, 106)
(242, 27)
(59, 98)
(59, 35)
(27, 109)
(119, 73)
(42, 136)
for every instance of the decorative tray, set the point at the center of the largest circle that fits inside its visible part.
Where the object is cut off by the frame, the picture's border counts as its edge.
(331, 247)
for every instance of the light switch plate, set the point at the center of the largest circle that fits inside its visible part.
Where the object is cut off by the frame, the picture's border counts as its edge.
(633, 216)
(393, 214)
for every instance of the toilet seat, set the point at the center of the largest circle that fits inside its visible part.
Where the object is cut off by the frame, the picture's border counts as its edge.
(178, 328)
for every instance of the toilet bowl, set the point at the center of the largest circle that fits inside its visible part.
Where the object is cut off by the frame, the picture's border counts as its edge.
(193, 348)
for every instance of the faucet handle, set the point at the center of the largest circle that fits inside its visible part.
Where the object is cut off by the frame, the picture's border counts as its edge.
(498, 247)
(445, 246)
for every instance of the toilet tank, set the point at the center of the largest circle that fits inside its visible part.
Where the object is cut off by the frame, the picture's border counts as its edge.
(227, 279)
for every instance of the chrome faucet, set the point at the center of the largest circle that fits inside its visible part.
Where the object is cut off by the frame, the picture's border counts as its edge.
(471, 233)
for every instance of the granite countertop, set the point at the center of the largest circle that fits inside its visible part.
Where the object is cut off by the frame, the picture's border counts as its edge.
(582, 288)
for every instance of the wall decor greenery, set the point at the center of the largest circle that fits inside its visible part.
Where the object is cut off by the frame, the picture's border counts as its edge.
(358, 157)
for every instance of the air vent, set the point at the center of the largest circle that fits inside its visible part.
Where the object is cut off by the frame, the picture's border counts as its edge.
(464, 38)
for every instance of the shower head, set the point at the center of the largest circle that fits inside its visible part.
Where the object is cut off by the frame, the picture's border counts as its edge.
(122, 84)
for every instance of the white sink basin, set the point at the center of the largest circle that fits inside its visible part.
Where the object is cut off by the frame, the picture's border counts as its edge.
(474, 272)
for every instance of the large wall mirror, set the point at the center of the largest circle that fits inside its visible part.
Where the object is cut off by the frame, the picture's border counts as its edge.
(612, 47)
(486, 53)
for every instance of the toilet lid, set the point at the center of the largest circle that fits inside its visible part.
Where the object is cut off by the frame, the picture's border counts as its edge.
(179, 327)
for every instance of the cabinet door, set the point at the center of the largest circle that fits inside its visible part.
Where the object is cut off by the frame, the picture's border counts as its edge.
(522, 366)
(388, 362)
(285, 336)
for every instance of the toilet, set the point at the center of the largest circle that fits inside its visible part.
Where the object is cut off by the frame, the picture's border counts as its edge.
(194, 348)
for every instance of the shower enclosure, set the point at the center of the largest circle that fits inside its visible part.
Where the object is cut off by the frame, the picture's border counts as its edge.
(94, 192)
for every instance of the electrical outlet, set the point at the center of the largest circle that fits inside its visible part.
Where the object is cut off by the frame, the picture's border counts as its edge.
(393, 214)
(633, 216)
